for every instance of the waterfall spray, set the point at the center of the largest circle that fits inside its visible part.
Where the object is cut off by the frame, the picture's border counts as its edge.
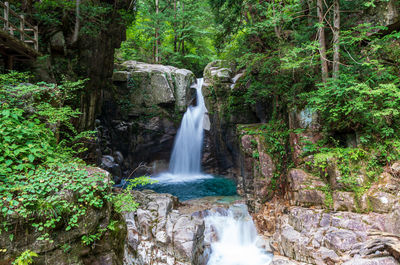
(186, 155)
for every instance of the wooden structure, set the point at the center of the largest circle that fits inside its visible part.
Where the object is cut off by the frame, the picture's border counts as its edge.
(18, 38)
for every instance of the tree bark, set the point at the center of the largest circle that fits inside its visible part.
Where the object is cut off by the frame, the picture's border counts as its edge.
(322, 41)
(175, 33)
(336, 39)
(77, 22)
(183, 27)
(157, 35)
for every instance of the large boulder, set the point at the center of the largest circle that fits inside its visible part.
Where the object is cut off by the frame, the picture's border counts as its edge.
(305, 189)
(141, 116)
(154, 84)
(158, 233)
(319, 237)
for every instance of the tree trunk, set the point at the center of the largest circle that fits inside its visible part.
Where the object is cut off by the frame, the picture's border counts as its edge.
(336, 38)
(175, 33)
(183, 27)
(77, 22)
(322, 41)
(157, 35)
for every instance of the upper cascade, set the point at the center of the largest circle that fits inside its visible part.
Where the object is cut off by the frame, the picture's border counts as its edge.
(186, 154)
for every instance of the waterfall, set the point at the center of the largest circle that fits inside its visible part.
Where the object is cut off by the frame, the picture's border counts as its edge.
(237, 239)
(186, 155)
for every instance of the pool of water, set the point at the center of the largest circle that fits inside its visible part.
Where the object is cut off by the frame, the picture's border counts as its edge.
(192, 187)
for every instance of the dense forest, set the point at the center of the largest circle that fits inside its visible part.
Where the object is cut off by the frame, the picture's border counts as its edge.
(335, 61)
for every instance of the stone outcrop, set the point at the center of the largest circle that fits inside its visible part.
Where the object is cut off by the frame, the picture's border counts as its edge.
(66, 247)
(141, 116)
(317, 237)
(150, 85)
(257, 168)
(221, 149)
(163, 231)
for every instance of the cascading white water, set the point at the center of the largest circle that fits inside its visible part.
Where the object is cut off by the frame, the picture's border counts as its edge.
(185, 163)
(237, 238)
(186, 155)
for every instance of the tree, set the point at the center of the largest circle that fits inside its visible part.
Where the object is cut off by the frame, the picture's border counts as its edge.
(175, 31)
(322, 41)
(336, 40)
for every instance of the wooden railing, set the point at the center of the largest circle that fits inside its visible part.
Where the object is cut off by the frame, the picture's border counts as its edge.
(25, 31)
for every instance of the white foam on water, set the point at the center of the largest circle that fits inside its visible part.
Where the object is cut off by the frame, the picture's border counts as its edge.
(237, 238)
(180, 178)
(186, 154)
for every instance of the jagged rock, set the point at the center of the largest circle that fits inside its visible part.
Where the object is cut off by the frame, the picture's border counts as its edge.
(376, 261)
(218, 71)
(381, 202)
(280, 260)
(395, 169)
(142, 113)
(258, 168)
(155, 84)
(305, 189)
(344, 201)
(319, 237)
(339, 240)
(108, 163)
(121, 76)
(392, 223)
(159, 233)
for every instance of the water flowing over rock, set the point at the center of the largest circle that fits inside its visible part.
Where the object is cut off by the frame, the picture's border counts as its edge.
(164, 231)
(186, 155)
(233, 238)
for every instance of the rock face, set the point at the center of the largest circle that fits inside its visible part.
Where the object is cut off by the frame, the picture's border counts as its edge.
(160, 233)
(66, 247)
(141, 116)
(150, 85)
(89, 56)
(318, 237)
(257, 168)
(314, 225)
(222, 150)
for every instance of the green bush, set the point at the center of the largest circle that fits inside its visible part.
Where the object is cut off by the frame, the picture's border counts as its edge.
(38, 169)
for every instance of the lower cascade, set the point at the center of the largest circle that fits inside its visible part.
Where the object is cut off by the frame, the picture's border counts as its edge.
(236, 238)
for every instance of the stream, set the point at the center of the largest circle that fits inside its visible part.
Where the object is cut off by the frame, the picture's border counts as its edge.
(235, 236)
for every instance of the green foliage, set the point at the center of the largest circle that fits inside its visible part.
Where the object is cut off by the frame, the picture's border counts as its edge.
(26, 258)
(185, 40)
(32, 115)
(39, 174)
(124, 202)
(364, 97)
(90, 239)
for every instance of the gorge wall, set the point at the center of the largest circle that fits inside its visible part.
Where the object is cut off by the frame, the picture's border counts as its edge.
(79, 46)
(141, 116)
(302, 200)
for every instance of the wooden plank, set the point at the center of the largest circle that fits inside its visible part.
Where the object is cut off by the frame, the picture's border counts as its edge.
(6, 10)
(23, 28)
(18, 45)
